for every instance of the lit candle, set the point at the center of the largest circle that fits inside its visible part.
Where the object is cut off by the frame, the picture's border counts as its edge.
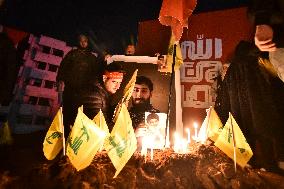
(188, 135)
(195, 131)
(177, 143)
(167, 145)
(152, 153)
(184, 146)
(144, 147)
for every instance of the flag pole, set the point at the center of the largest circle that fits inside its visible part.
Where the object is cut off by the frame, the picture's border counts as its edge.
(63, 133)
(60, 100)
(208, 121)
(170, 93)
(234, 143)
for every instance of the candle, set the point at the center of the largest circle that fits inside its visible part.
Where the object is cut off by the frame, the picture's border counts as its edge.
(188, 135)
(167, 145)
(184, 146)
(152, 153)
(195, 131)
(143, 147)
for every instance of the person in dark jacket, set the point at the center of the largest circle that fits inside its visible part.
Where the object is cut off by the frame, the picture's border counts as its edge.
(77, 69)
(255, 99)
(268, 17)
(99, 95)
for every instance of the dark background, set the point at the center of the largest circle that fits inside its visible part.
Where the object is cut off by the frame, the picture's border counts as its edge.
(110, 24)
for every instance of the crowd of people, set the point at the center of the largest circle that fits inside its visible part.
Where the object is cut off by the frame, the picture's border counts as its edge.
(86, 80)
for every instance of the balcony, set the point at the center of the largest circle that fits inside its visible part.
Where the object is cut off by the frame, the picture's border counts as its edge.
(43, 74)
(29, 109)
(41, 92)
(48, 58)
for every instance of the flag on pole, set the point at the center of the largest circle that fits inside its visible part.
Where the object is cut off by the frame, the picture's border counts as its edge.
(122, 141)
(53, 141)
(84, 141)
(175, 13)
(99, 120)
(178, 57)
(225, 142)
(211, 126)
(127, 93)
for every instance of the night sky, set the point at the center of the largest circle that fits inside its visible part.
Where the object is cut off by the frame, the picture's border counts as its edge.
(110, 24)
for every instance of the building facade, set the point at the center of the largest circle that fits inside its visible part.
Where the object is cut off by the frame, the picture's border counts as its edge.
(35, 97)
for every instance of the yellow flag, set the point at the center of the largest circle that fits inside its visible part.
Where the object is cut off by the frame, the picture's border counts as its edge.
(122, 141)
(84, 141)
(5, 134)
(53, 141)
(226, 144)
(127, 93)
(178, 58)
(99, 120)
(211, 126)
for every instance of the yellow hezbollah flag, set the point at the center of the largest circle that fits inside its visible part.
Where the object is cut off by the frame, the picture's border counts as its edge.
(99, 120)
(53, 141)
(211, 126)
(225, 142)
(178, 58)
(5, 134)
(84, 141)
(122, 141)
(127, 93)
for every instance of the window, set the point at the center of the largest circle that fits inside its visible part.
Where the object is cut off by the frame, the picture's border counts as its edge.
(40, 120)
(33, 100)
(48, 84)
(43, 101)
(45, 49)
(52, 68)
(24, 119)
(41, 65)
(36, 82)
(58, 52)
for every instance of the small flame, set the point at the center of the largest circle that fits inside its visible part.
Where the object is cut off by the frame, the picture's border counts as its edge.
(180, 145)
(188, 135)
(195, 137)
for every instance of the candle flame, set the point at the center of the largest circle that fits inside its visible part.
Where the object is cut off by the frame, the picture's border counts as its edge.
(180, 145)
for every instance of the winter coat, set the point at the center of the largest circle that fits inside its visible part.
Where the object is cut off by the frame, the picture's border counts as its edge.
(78, 68)
(96, 98)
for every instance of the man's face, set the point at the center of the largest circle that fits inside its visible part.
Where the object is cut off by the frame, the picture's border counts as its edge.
(112, 85)
(141, 94)
(83, 41)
